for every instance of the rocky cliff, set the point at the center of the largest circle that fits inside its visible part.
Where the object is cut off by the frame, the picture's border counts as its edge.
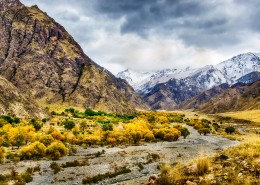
(41, 59)
(13, 102)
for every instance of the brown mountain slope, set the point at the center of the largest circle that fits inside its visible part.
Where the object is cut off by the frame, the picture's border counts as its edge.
(39, 57)
(237, 97)
(12, 102)
(203, 97)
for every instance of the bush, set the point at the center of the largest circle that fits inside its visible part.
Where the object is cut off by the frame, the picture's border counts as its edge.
(149, 137)
(185, 132)
(55, 167)
(2, 154)
(46, 139)
(204, 131)
(107, 126)
(56, 150)
(36, 124)
(68, 124)
(34, 150)
(27, 177)
(101, 177)
(230, 130)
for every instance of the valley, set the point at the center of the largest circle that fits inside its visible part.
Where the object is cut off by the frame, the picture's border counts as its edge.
(64, 119)
(132, 161)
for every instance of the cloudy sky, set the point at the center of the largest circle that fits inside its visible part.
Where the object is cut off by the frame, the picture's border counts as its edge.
(146, 35)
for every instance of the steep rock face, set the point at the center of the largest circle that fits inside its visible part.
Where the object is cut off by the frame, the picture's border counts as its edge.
(13, 102)
(40, 58)
(238, 97)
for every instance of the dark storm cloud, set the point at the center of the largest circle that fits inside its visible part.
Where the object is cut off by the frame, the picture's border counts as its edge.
(142, 16)
(195, 22)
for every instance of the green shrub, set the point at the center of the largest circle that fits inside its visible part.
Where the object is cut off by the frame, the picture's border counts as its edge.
(101, 177)
(27, 177)
(230, 130)
(55, 167)
(36, 124)
(185, 132)
(68, 124)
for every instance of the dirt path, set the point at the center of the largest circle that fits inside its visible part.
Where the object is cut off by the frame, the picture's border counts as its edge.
(142, 160)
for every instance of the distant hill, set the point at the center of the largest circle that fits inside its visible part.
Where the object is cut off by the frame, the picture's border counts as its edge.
(43, 60)
(223, 98)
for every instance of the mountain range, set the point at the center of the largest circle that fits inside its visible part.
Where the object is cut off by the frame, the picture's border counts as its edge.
(41, 65)
(41, 59)
(166, 89)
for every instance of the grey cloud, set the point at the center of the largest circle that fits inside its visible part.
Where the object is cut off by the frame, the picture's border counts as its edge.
(194, 22)
(68, 16)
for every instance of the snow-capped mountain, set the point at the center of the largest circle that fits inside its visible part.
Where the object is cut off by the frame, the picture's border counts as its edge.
(145, 80)
(164, 89)
(228, 71)
(240, 65)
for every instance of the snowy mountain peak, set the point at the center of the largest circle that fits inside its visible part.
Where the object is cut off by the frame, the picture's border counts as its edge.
(240, 65)
(208, 76)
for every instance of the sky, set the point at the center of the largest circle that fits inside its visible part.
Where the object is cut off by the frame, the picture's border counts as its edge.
(148, 35)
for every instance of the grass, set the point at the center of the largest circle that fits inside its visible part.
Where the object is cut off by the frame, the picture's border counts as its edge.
(203, 164)
(101, 177)
(171, 175)
(251, 115)
(249, 149)
(240, 167)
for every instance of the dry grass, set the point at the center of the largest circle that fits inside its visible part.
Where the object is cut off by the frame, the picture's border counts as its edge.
(171, 175)
(203, 164)
(251, 115)
(249, 149)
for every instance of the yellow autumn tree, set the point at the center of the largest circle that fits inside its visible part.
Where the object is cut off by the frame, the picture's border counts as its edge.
(35, 150)
(56, 150)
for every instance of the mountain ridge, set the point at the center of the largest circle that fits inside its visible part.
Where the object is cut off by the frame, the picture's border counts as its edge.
(42, 59)
(174, 86)
(237, 97)
(15, 103)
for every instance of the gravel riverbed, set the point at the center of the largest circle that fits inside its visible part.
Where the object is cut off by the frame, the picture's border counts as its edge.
(142, 160)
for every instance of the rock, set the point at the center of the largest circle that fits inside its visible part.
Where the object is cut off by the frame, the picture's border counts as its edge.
(226, 164)
(210, 177)
(152, 180)
(222, 157)
(191, 169)
(14, 102)
(240, 175)
(190, 183)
